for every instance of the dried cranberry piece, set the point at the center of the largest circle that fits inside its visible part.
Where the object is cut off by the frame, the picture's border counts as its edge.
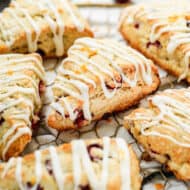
(48, 165)
(156, 43)
(41, 52)
(188, 24)
(122, 1)
(42, 87)
(90, 147)
(29, 186)
(80, 117)
(109, 86)
(39, 187)
(137, 25)
(84, 187)
(1, 120)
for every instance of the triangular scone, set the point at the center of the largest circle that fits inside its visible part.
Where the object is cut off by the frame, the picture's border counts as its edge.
(21, 80)
(103, 164)
(99, 77)
(161, 31)
(45, 26)
(163, 128)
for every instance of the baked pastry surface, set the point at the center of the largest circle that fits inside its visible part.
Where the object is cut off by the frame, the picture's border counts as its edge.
(99, 77)
(161, 32)
(45, 26)
(163, 129)
(93, 164)
(21, 80)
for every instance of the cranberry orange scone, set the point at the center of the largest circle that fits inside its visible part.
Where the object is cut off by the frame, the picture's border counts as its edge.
(99, 164)
(21, 80)
(47, 26)
(161, 31)
(164, 129)
(99, 77)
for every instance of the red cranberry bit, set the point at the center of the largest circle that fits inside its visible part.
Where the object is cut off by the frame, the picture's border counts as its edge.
(137, 25)
(29, 186)
(109, 86)
(188, 24)
(39, 187)
(1, 120)
(84, 187)
(49, 167)
(42, 87)
(156, 43)
(80, 117)
(122, 1)
(90, 148)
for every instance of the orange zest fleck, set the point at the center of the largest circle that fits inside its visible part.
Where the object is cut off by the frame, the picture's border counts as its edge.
(84, 68)
(159, 186)
(9, 72)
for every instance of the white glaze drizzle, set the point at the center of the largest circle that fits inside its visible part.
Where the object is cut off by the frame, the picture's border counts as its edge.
(81, 163)
(82, 82)
(173, 115)
(18, 173)
(7, 167)
(32, 46)
(58, 108)
(38, 169)
(16, 65)
(124, 165)
(76, 21)
(57, 26)
(56, 165)
(179, 30)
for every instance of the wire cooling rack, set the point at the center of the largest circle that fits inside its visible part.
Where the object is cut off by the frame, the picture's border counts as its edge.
(103, 20)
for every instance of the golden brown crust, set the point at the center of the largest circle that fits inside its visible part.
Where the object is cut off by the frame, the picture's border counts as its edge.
(163, 143)
(124, 97)
(139, 33)
(18, 146)
(64, 153)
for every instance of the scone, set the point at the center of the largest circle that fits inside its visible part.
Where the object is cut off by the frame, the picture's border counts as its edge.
(163, 128)
(102, 164)
(99, 77)
(21, 82)
(45, 26)
(160, 31)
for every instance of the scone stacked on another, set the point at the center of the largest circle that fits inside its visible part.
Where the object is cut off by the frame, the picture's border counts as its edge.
(163, 128)
(99, 77)
(162, 32)
(102, 164)
(46, 26)
(21, 82)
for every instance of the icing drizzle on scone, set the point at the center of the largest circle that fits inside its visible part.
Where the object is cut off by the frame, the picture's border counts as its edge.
(168, 17)
(18, 101)
(81, 163)
(76, 81)
(52, 15)
(171, 114)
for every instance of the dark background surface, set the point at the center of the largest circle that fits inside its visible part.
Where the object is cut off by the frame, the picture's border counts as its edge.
(3, 3)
